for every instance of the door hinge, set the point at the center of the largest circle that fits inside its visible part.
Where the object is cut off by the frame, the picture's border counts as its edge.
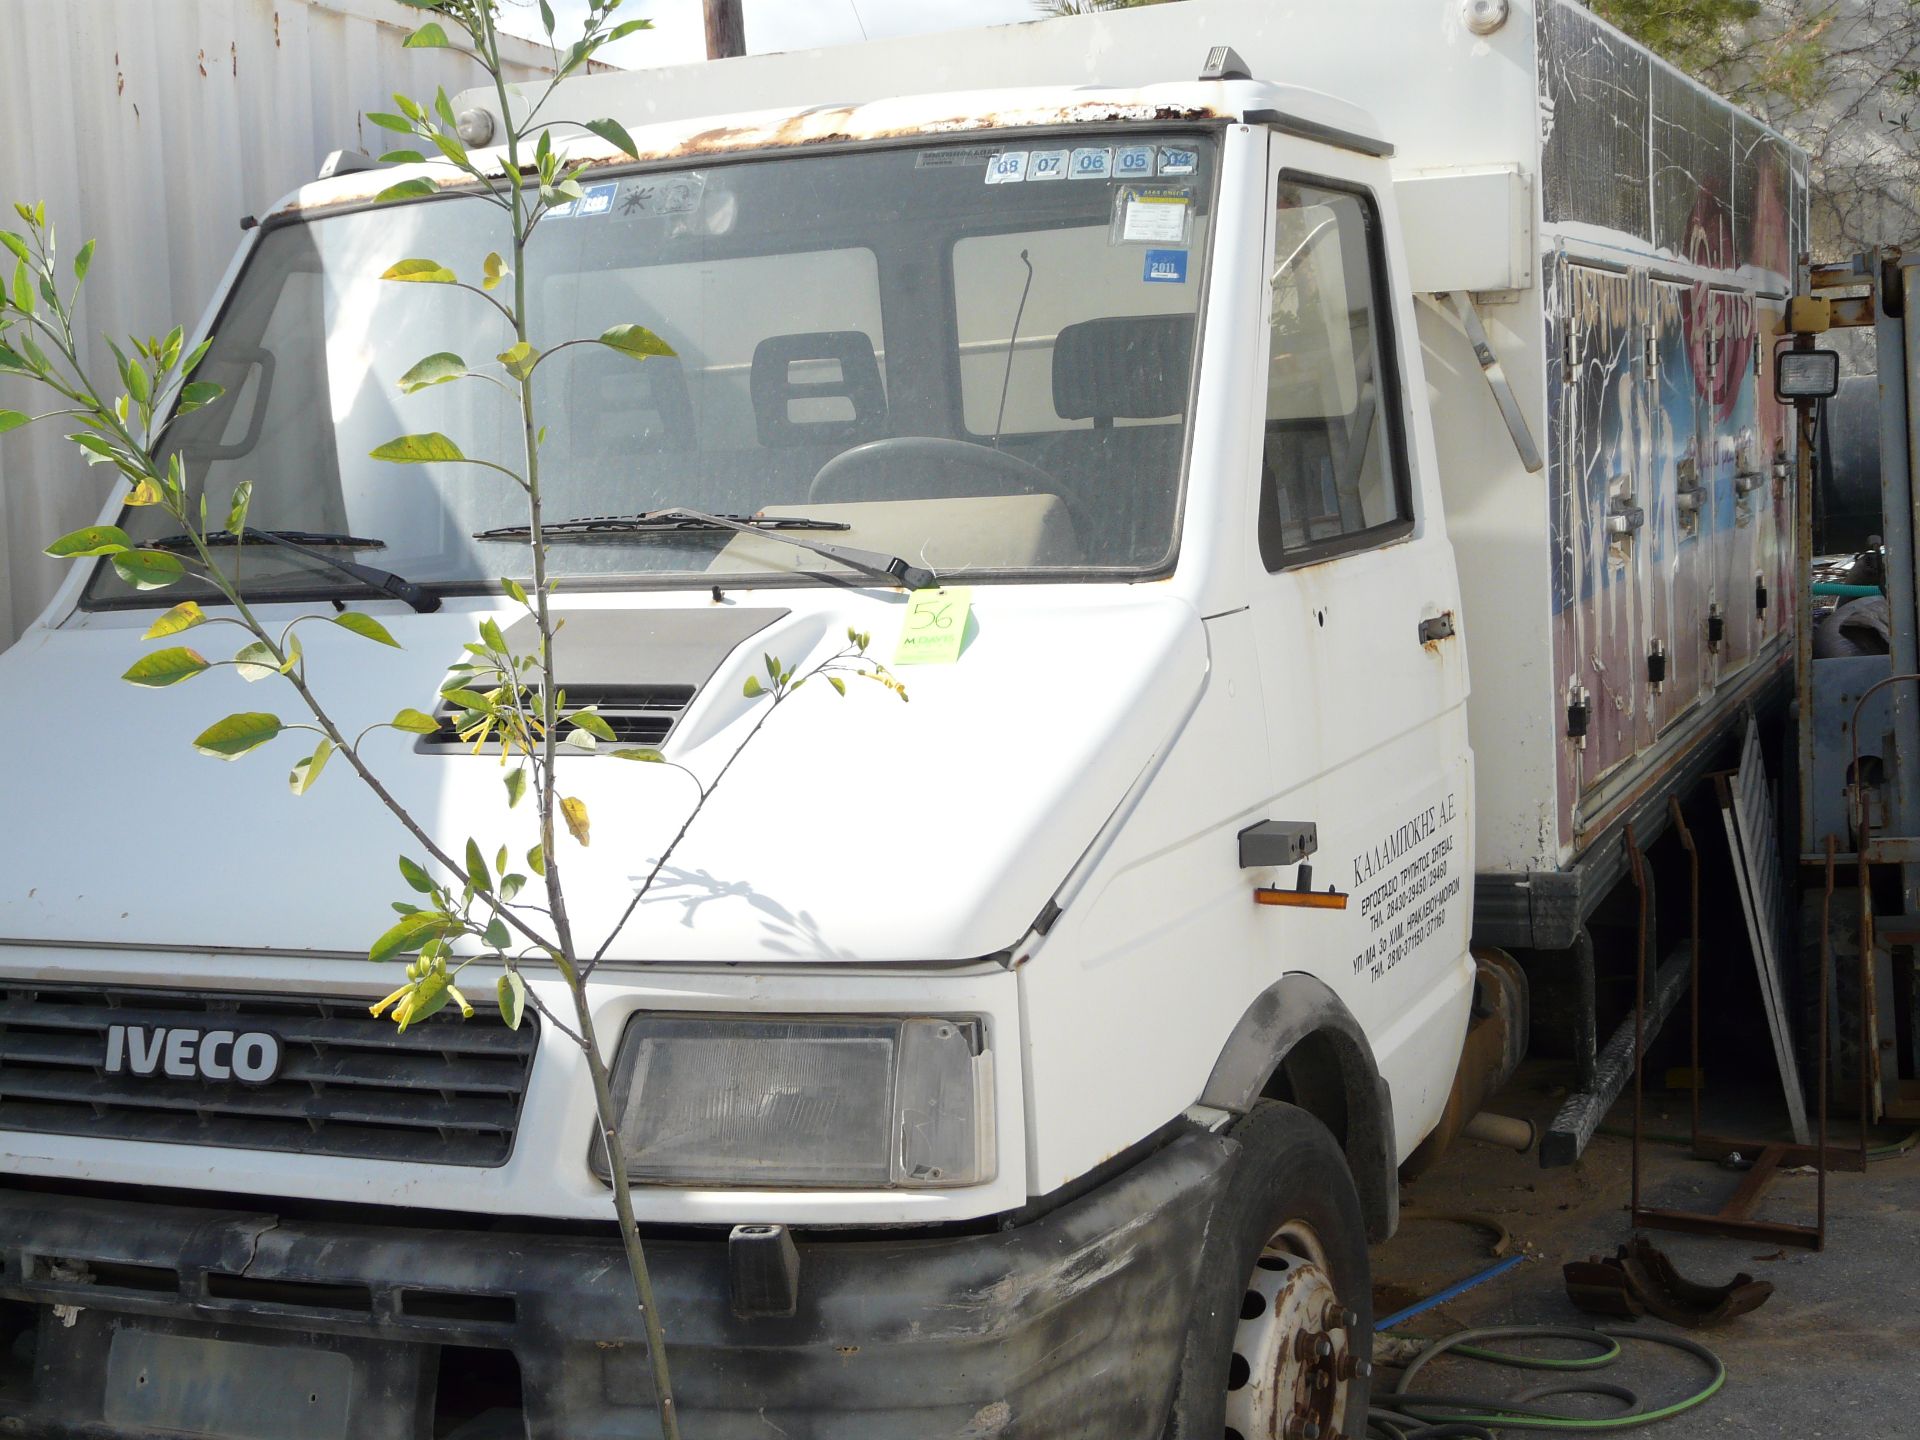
(1716, 628)
(1656, 665)
(1759, 594)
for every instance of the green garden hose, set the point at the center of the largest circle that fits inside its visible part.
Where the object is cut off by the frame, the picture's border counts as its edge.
(1406, 1414)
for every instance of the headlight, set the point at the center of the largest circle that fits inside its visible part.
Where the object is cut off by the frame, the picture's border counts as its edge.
(858, 1104)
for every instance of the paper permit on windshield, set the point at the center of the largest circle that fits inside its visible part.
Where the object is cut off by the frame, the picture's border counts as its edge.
(935, 626)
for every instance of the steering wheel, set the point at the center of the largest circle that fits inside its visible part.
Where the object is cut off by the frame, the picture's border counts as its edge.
(955, 469)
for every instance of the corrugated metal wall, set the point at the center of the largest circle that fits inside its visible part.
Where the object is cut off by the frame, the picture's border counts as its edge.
(153, 126)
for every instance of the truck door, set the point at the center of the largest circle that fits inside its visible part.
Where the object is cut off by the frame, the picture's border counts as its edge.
(1601, 501)
(1353, 602)
(1742, 474)
(1683, 581)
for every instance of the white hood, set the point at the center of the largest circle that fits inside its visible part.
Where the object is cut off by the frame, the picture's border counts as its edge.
(860, 829)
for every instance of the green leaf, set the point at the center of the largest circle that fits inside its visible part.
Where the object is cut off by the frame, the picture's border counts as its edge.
(364, 626)
(93, 540)
(615, 134)
(9, 360)
(752, 688)
(411, 108)
(18, 246)
(592, 724)
(167, 667)
(516, 786)
(407, 190)
(199, 394)
(416, 876)
(403, 157)
(546, 17)
(409, 933)
(490, 633)
(183, 616)
(256, 662)
(468, 699)
(773, 668)
(838, 684)
(513, 589)
(137, 385)
(418, 449)
(634, 340)
(428, 37)
(520, 360)
(477, 871)
(22, 288)
(414, 722)
(436, 369)
(493, 271)
(537, 859)
(234, 736)
(13, 420)
(443, 107)
(83, 262)
(430, 997)
(306, 771)
(148, 569)
(510, 885)
(581, 740)
(651, 756)
(397, 123)
(496, 934)
(626, 28)
(511, 992)
(237, 510)
(420, 272)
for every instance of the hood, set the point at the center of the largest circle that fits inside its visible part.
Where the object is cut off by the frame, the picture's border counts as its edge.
(849, 829)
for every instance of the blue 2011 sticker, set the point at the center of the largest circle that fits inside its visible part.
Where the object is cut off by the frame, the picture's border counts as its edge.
(1168, 267)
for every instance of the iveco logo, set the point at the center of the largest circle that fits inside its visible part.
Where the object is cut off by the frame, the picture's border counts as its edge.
(252, 1056)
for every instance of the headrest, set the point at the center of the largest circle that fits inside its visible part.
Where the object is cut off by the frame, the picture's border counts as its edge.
(1132, 367)
(634, 406)
(774, 388)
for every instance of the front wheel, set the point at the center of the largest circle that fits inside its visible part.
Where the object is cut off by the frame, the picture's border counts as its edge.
(1282, 1340)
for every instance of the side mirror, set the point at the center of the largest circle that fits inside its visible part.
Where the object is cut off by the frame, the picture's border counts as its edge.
(1805, 375)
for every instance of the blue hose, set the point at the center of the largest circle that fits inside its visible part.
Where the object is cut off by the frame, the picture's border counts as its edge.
(1492, 1271)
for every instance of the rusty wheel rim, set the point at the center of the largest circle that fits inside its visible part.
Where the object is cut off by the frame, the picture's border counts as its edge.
(1289, 1373)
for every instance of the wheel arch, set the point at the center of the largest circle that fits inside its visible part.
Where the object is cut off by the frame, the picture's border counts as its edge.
(1298, 1042)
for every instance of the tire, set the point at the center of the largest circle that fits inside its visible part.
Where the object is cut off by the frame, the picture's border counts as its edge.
(1290, 1192)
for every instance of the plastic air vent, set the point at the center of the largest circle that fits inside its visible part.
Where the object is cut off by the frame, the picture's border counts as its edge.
(637, 714)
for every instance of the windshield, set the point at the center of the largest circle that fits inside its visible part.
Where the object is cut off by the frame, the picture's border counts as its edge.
(964, 365)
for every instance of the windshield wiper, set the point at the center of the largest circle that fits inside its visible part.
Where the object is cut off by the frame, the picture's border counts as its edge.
(888, 569)
(302, 542)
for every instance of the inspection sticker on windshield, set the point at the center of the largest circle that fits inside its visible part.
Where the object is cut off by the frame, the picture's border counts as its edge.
(1133, 162)
(1166, 267)
(1048, 165)
(594, 200)
(1178, 162)
(935, 626)
(1092, 164)
(1009, 167)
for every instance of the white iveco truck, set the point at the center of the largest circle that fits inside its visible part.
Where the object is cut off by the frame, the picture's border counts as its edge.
(1072, 1021)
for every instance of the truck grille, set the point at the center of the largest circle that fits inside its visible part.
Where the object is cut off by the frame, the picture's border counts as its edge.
(447, 1092)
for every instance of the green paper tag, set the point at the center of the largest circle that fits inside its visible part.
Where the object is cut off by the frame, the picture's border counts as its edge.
(935, 626)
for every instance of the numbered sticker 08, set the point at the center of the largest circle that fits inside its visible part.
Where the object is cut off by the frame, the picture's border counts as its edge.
(1009, 167)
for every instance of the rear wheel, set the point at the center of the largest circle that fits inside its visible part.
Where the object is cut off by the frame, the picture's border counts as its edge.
(1282, 1340)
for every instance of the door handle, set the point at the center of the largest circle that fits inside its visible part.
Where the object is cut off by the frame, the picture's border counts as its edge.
(1625, 519)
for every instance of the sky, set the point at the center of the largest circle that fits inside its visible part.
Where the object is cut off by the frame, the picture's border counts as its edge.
(677, 36)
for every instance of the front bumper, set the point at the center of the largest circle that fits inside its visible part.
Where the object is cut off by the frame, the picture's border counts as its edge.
(1066, 1326)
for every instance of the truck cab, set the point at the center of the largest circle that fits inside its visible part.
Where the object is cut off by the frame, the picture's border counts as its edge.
(1030, 1058)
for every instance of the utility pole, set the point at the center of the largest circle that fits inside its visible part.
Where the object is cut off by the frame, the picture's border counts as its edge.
(726, 29)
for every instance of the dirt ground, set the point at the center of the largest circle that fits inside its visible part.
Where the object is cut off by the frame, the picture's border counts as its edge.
(1835, 1352)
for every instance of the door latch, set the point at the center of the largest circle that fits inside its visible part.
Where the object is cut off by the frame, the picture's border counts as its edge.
(1579, 715)
(1437, 627)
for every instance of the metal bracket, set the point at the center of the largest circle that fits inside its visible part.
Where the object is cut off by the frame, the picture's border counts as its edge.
(1278, 842)
(1496, 375)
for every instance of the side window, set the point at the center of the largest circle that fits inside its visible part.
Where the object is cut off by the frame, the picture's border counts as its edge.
(1333, 468)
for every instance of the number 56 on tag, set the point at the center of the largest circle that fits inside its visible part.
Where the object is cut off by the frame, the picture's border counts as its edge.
(934, 626)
